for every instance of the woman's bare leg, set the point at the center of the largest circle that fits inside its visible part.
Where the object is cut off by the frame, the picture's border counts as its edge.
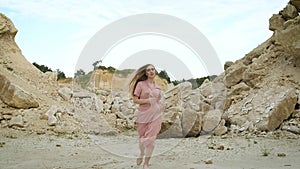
(141, 131)
(149, 151)
(139, 160)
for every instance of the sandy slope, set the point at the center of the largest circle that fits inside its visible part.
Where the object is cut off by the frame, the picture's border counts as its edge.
(30, 151)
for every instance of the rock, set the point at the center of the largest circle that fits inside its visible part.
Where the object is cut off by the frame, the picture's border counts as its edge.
(296, 3)
(205, 107)
(221, 129)
(98, 103)
(190, 105)
(265, 108)
(289, 38)
(276, 22)
(52, 121)
(70, 110)
(296, 113)
(185, 86)
(65, 93)
(206, 88)
(181, 92)
(40, 131)
(191, 122)
(50, 76)
(293, 129)
(171, 129)
(185, 89)
(7, 116)
(290, 135)
(281, 109)
(208, 161)
(253, 77)
(246, 126)
(16, 121)
(102, 92)
(14, 96)
(195, 97)
(289, 12)
(234, 74)
(211, 120)
(238, 89)
(6, 26)
(50, 114)
(281, 154)
(121, 115)
(212, 95)
(228, 64)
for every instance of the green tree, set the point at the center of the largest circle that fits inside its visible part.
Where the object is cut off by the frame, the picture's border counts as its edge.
(175, 82)
(42, 68)
(164, 75)
(60, 74)
(79, 73)
(111, 69)
(96, 63)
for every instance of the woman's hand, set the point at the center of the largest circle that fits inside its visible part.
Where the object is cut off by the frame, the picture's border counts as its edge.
(152, 100)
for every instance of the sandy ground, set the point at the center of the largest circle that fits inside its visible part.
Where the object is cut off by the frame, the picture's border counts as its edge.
(23, 150)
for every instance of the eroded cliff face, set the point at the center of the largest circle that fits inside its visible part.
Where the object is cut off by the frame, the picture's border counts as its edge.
(105, 80)
(32, 100)
(263, 87)
(18, 75)
(257, 93)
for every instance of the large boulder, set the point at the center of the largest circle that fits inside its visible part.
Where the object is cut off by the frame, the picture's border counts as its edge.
(279, 111)
(171, 125)
(265, 108)
(276, 22)
(191, 123)
(211, 120)
(234, 74)
(296, 3)
(15, 96)
(289, 12)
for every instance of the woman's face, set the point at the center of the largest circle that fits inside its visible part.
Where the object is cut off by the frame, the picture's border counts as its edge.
(150, 71)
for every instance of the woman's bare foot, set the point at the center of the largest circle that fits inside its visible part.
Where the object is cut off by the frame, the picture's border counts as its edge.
(146, 166)
(139, 160)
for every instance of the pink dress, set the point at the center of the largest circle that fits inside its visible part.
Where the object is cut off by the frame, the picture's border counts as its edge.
(149, 116)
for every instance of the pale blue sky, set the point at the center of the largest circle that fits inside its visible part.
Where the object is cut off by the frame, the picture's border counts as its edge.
(54, 32)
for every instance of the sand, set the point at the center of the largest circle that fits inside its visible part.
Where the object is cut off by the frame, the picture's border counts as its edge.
(25, 150)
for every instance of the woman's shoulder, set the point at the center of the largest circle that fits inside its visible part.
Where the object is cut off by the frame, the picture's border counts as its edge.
(143, 83)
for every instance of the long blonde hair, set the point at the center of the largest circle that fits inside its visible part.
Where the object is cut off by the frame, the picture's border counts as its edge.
(140, 75)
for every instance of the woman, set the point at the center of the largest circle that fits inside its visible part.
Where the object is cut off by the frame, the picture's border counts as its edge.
(149, 117)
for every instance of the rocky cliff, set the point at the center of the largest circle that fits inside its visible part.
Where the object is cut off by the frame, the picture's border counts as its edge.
(263, 87)
(32, 100)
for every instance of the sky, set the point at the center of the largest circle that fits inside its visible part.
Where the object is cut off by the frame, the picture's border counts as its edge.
(55, 33)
